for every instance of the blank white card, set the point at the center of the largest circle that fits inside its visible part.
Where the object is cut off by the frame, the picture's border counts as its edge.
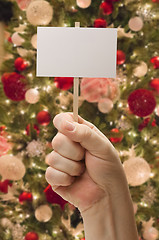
(76, 52)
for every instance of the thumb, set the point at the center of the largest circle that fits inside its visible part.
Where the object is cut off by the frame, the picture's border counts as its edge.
(86, 135)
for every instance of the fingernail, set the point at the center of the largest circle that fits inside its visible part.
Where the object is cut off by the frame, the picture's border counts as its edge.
(69, 126)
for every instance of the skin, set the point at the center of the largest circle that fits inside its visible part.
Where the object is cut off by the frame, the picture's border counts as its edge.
(85, 170)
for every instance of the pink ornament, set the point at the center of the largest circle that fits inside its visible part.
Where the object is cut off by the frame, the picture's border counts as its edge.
(94, 89)
(23, 4)
(4, 146)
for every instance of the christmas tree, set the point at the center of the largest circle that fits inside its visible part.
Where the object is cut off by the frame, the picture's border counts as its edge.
(125, 109)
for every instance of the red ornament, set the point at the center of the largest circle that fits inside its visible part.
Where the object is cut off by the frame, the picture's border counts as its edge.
(14, 86)
(100, 23)
(10, 39)
(145, 123)
(25, 196)
(35, 127)
(154, 84)
(155, 1)
(2, 130)
(116, 139)
(120, 57)
(141, 102)
(43, 118)
(64, 83)
(20, 64)
(155, 62)
(53, 197)
(5, 146)
(107, 7)
(31, 236)
(4, 186)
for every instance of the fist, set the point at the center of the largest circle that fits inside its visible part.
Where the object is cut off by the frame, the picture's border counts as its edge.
(84, 165)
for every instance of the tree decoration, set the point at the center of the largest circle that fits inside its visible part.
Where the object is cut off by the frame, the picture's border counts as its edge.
(106, 7)
(155, 62)
(43, 213)
(4, 146)
(145, 122)
(43, 118)
(135, 24)
(53, 197)
(31, 236)
(119, 136)
(64, 83)
(35, 127)
(120, 57)
(34, 41)
(154, 84)
(17, 39)
(100, 23)
(23, 4)
(149, 195)
(141, 70)
(11, 167)
(32, 96)
(137, 170)
(25, 196)
(20, 64)
(39, 12)
(94, 89)
(4, 185)
(141, 102)
(14, 86)
(18, 231)
(105, 105)
(150, 233)
(64, 99)
(35, 148)
(83, 3)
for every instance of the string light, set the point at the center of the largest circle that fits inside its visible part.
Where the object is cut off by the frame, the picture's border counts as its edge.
(22, 112)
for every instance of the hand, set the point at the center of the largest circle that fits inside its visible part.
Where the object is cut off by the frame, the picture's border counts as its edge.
(84, 166)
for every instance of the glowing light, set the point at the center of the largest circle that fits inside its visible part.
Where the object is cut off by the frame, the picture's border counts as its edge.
(22, 112)
(7, 101)
(20, 18)
(152, 175)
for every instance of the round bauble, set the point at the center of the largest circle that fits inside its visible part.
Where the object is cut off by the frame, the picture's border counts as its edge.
(154, 84)
(135, 24)
(121, 57)
(11, 168)
(105, 105)
(23, 4)
(17, 39)
(100, 23)
(137, 171)
(14, 86)
(43, 213)
(140, 70)
(43, 118)
(4, 146)
(141, 102)
(119, 136)
(39, 12)
(32, 96)
(4, 185)
(155, 62)
(34, 41)
(64, 83)
(107, 8)
(35, 127)
(83, 3)
(150, 233)
(31, 236)
(20, 64)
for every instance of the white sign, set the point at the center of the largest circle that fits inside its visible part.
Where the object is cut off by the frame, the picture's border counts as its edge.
(76, 52)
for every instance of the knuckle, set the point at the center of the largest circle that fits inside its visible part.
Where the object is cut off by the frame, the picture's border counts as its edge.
(56, 141)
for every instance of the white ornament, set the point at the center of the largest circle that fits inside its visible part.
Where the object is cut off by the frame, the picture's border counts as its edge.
(24, 53)
(35, 148)
(34, 41)
(83, 3)
(11, 168)
(32, 96)
(43, 213)
(121, 33)
(5, 222)
(135, 24)
(39, 12)
(149, 233)
(137, 171)
(16, 39)
(105, 105)
(141, 70)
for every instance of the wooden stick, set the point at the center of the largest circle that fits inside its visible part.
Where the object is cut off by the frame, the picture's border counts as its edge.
(75, 91)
